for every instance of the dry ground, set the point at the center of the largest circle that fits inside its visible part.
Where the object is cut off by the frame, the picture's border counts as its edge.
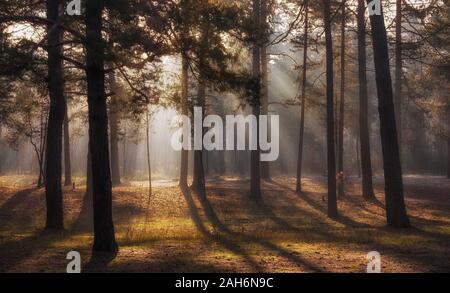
(227, 232)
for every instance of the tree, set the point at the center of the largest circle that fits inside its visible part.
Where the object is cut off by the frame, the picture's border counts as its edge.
(198, 181)
(395, 205)
(398, 70)
(67, 165)
(265, 170)
(184, 111)
(26, 117)
(114, 129)
(255, 166)
(366, 161)
(331, 154)
(53, 192)
(104, 238)
(341, 174)
(303, 100)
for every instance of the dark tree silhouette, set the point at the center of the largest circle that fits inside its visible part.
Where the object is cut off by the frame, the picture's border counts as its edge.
(398, 71)
(53, 192)
(366, 161)
(303, 101)
(104, 238)
(114, 129)
(331, 154)
(67, 163)
(255, 157)
(395, 205)
(265, 168)
(340, 142)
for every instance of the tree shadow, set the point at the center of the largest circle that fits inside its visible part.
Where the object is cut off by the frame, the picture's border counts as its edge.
(342, 219)
(298, 260)
(13, 252)
(20, 219)
(195, 216)
(84, 221)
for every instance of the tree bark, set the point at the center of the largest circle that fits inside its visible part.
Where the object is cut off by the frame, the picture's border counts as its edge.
(448, 144)
(398, 72)
(366, 161)
(104, 238)
(255, 157)
(149, 164)
(53, 192)
(113, 130)
(184, 111)
(198, 180)
(331, 160)
(341, 175)
(265, 169)
(124, 152)
(395, 205)
(303, 101)
(67, 163)
(448, 157)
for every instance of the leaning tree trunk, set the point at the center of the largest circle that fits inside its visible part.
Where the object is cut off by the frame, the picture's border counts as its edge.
(341, 176)
(395, 205)
(255, 156)
(67, 164)
(104, 238)
(184, 111)
(265, 169)
(366, 161)
(303, 102)
(114, 130)
(398, 72)
(331, 160)
(53, 192)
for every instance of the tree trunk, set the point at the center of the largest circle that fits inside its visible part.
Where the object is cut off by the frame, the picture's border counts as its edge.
(53, 192)
(398, 72)
(184, 111)
(113, 130)
(448, 144)
(149, 165)
(331, 160)
(366, 161)
(255, 167)
(124, 152)
(358, 156)
(104, 238)
(67, 164)
(1, 150)
(448, 157)
(341, 191)
(303, 101)
(42, 147)
(395, 205)
(265, 169)
(198, 181)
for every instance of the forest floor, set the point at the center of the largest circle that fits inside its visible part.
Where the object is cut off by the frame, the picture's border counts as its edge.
(226, 232)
